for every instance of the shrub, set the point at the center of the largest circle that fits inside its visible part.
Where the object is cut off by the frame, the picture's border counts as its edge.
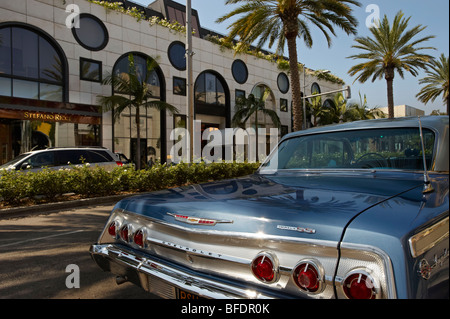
(88, 181)
(13, 187)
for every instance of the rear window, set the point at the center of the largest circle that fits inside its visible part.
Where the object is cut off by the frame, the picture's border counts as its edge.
(398, 148)
(99, 157)
(71, 157)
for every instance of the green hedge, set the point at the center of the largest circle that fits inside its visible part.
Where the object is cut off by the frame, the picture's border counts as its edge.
(49, 185)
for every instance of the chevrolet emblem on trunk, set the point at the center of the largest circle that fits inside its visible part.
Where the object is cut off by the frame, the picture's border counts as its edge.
(199, 221)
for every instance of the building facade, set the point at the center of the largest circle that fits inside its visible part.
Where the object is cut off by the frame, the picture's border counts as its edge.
(55, 53)
(404, 110)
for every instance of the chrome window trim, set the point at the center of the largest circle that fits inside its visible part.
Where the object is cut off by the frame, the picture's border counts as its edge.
(429, 237)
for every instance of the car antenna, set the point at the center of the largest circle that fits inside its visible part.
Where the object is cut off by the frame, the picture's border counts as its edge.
(426, 179)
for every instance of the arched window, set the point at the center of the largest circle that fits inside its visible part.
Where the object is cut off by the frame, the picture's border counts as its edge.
(212, 95)
(151, 120)
(209, 90)
(315, 88)
(32, 65)
(122, 66)
(259, 92)
(328, 104)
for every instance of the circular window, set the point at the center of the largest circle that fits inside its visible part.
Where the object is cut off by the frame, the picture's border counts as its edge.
(177, 55)
(240, 72)
(283, 83)
(91, 33)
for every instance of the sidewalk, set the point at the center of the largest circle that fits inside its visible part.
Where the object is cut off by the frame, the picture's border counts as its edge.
(19, 212)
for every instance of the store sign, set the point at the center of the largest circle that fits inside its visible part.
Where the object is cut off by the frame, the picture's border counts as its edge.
(46, 117)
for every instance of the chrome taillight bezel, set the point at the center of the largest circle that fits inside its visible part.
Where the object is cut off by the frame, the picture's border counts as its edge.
(144, 232)
(320, 275)
(275, 266)
(128, 236)
(375, 285)
(117, 227)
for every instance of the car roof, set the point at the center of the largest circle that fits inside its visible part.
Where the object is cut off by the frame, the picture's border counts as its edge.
(436, 123)
(90, 148)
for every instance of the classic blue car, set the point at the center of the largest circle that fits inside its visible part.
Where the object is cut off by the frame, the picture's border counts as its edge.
(357, 210)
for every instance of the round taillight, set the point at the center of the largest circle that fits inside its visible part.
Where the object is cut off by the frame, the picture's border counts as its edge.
(112, 228)
(125, 233)
(139, 238)
(265, 268)
(306, 276)
(360, 285)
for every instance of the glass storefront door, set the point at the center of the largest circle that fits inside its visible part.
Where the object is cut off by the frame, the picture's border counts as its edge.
(20, 136)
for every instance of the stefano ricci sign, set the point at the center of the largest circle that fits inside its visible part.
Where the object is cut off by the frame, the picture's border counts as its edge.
(39, 116)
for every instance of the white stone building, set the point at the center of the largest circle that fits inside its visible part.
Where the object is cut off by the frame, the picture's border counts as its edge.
(51, 72)
(404, 110)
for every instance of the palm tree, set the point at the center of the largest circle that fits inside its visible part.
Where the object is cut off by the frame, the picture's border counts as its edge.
(338, 111)
(280, 20)
(319, 113)
(134, 92)
(436, 81)
(246, 107)
(361, 111)
(390, 49)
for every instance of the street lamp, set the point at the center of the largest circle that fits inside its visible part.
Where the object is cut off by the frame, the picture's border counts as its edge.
(189, 82)
(347, 91)
(304, 90)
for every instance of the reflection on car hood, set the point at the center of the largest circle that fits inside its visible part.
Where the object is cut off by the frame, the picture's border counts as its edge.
(265, 204)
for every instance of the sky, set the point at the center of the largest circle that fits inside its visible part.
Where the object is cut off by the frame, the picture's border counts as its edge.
(434, 14)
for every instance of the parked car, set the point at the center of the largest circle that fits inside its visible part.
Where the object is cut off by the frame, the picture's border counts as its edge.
(125, 160)
(357, 210)
(57, 158)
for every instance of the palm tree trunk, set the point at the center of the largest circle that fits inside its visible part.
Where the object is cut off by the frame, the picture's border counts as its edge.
(389, 76)
(138, 139)
(297, 112)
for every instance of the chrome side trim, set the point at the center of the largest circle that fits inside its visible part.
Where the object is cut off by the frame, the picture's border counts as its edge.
(199, 285)
(194, 251)
(426, 239)
(226, 234)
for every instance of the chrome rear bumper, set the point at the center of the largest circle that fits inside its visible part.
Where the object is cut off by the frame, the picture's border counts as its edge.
(161, 278)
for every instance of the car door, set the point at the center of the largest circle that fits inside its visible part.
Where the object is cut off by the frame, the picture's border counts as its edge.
(39, 161)
(69, 158)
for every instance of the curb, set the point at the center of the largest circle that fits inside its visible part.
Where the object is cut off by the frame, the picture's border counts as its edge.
(24, 211)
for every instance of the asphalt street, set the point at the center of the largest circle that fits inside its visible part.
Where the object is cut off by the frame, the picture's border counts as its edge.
(41, 255)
